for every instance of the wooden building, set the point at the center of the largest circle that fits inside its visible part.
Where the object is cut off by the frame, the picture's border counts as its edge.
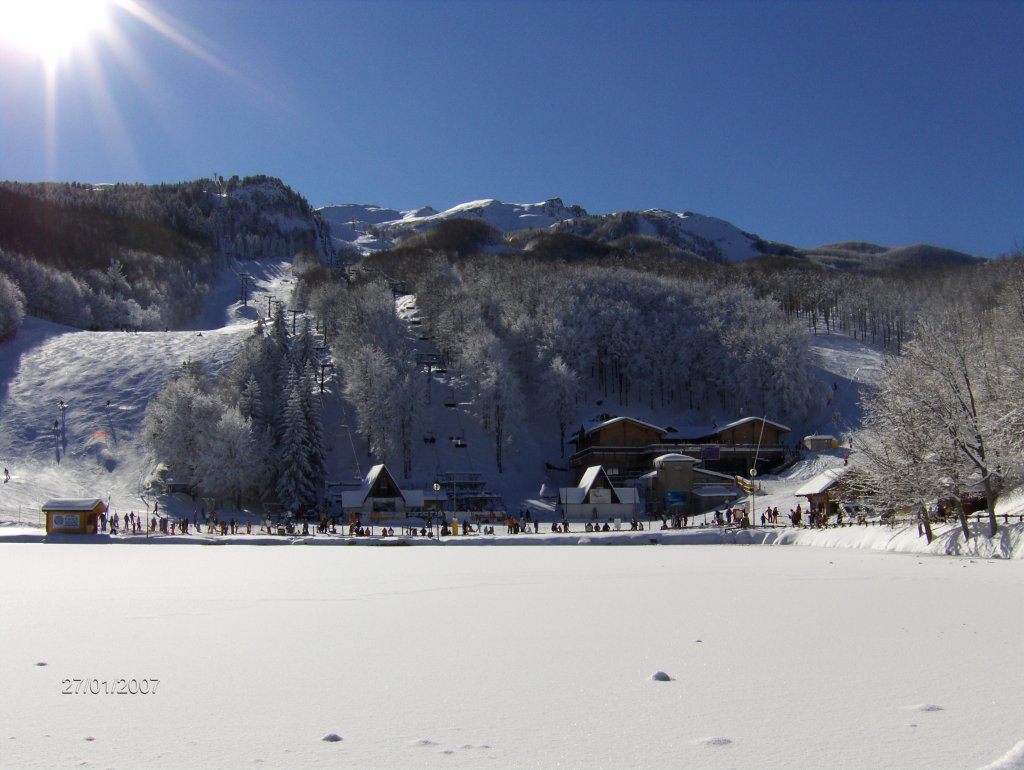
(627, 447)
(74, 516)
(825, 491)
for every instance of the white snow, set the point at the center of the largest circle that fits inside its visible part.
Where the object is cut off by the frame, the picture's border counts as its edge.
(351, 223)
(833, 654)
(512, 657)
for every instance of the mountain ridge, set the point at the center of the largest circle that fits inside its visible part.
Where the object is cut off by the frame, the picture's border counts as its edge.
(361, 229)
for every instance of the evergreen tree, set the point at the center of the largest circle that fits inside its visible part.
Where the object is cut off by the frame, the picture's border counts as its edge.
(296, 487)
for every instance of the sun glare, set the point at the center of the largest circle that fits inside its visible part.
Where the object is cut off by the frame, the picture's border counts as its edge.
(52, 29)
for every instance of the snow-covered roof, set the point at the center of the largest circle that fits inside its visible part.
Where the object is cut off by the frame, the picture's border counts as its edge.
(72, 504)
(711, 429)
(356, 497)
(674, 457)
(713, 490)
(578, 494)
(614, 420)
(821, 482)
(697, 472)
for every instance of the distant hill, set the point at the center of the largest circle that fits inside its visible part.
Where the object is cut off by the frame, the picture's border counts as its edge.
(856, 255)
(553, 229)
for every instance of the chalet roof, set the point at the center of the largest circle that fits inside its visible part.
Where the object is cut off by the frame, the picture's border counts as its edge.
(824, 480)
(579, 493)
(355, 498)
(593, 427)
(72, 504)
(708, 430)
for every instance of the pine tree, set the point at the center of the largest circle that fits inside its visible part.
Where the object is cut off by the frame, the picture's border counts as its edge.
(295, 485)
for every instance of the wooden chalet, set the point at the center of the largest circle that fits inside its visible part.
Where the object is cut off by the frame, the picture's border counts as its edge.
(627, 447)
(825, 491)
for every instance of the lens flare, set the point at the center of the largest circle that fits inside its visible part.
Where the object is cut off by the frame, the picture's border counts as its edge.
(52, 29)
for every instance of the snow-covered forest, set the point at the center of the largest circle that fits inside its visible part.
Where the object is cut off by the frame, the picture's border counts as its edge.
(945, 420)
(539, 330)
(254, 434)
(140, 256)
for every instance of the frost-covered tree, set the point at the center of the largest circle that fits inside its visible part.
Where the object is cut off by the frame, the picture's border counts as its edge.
(955, 392)
(560, 393)
(232, 461)
(296, 485)
(12, 308)
(177, 421)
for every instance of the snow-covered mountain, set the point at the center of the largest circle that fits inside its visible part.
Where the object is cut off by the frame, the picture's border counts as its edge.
(705, 237)
(368, 227)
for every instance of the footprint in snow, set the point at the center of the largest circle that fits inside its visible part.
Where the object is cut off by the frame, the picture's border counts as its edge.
(331, 738)
(425, 742)
(926, 707)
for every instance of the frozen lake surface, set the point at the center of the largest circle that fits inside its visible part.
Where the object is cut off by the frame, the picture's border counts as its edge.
(508, 657)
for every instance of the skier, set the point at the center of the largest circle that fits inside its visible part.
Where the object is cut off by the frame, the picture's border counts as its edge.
(7, 475)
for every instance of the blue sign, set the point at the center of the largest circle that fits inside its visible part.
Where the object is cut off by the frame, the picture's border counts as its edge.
(676, 498)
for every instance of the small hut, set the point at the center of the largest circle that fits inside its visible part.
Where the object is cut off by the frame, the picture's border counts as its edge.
(74, 517)
(824, 491)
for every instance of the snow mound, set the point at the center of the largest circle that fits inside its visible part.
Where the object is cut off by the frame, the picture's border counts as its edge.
(1011, 760)
(926, 707)
(715, 742)
(660, 676)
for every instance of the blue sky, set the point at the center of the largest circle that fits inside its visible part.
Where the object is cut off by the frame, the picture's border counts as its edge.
(805, 122)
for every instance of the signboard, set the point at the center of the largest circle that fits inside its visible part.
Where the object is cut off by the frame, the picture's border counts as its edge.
(676, 498)
(600, 496)
(66, 521)
(711, 452)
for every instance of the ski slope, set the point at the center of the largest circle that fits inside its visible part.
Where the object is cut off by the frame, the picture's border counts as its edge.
(91, 447)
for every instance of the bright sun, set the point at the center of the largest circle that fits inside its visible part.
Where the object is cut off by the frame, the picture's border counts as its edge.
(51, 29)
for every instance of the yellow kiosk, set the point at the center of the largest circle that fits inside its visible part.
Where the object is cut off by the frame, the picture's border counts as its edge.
(74, 517)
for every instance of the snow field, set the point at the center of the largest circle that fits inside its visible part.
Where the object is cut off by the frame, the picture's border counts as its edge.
(499, 657)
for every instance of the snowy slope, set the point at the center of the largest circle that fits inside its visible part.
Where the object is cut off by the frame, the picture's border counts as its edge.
(388, 224)
(105, 379)
(708, 234)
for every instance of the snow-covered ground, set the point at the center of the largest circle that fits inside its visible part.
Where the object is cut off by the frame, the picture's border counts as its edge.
(507, 657)
(832, 655)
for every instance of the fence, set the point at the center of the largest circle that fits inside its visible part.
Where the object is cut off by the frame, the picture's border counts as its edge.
(23, 515)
